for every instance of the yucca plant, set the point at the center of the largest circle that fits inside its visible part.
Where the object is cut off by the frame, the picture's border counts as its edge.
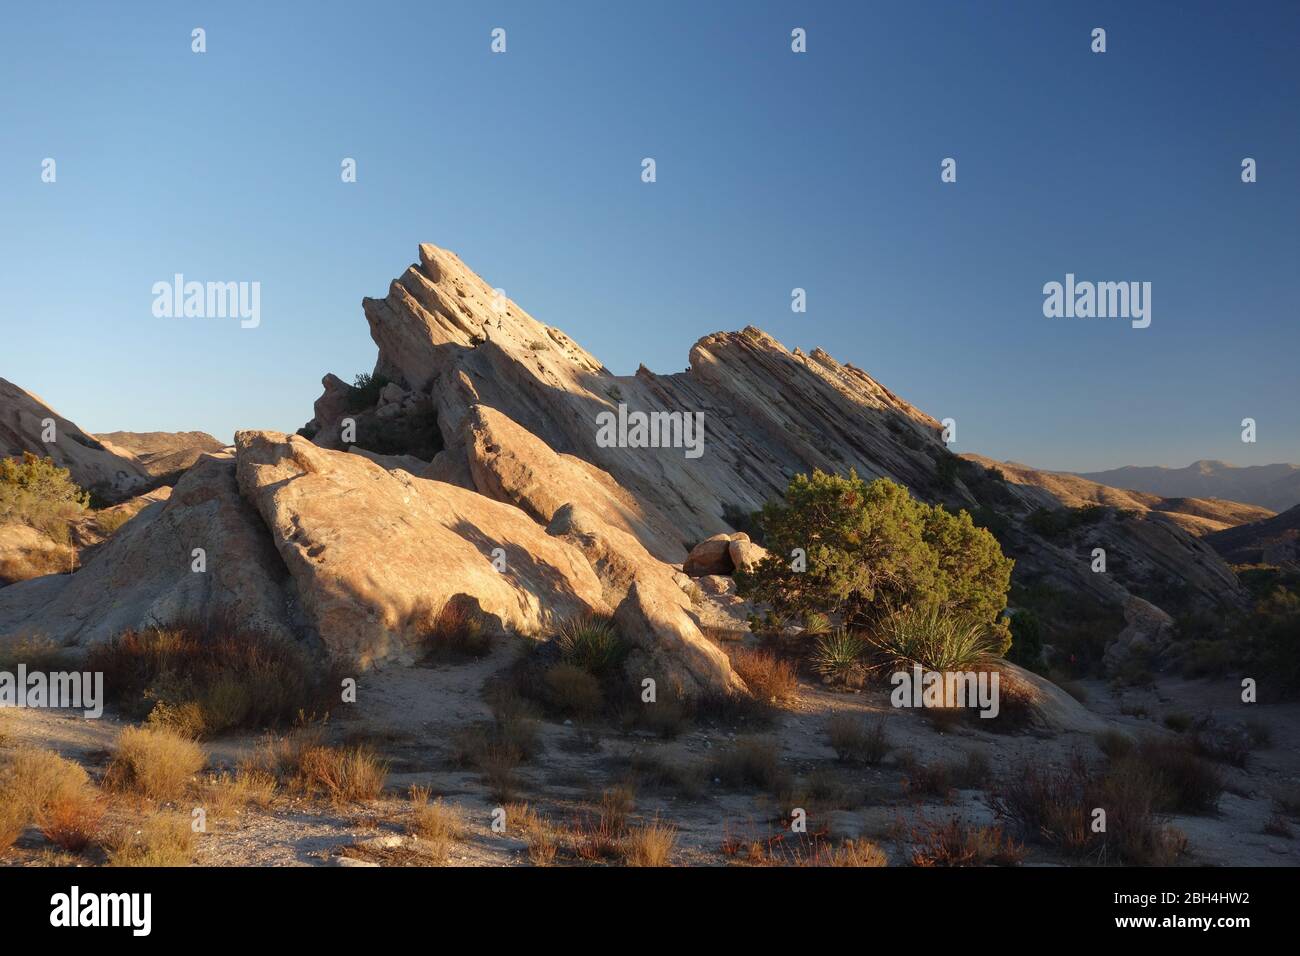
(934, 639)
(815, 623)
(591, 643)
(838, 655)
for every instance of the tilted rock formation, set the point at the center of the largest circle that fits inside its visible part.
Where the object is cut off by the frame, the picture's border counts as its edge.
(162, 454)
(768, 414)
(112, 474)
(375, 554)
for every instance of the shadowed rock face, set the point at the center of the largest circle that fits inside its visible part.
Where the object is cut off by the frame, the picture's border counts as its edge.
(768, 414)
(1274, 540)
(113, 473)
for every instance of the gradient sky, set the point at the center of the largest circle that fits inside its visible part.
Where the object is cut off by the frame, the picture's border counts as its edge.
(775, 170)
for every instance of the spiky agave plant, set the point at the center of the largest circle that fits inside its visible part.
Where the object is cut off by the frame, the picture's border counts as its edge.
(935, 639)
(592, 643)
(838, 655)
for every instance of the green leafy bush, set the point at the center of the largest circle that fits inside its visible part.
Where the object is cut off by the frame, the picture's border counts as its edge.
(37, 492)
(871, 549)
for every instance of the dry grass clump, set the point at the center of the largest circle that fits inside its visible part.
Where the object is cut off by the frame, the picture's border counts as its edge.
(40, 787)
(163, 839)
(652, 772)
(229, 793)
(342, 774)
(649, 845)
(750, 762)
(955, 843)
(543, 846)
(37, 564)
(38, 652)
(803, 850)
(201, 680)
(769, 677)
(437, 824)
(601, 835)
(1115, 744)
(455, 632)
(155, 762)
(854, 740)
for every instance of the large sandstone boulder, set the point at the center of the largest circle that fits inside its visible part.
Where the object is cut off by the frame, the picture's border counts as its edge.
(712, 556)
(145, 574)
(744, 554)
(668, 646)
(510, 463)
(654, 613)
(375, 554)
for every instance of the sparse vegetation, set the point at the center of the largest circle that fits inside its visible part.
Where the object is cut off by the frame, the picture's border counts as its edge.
(650, 845)
(36, 492)
(155, 762)
(857, 741)
(161, 839)
(751, 762)
(437, 824)
(201, 681)
(343, 774)
(954, 843)
(768, 676)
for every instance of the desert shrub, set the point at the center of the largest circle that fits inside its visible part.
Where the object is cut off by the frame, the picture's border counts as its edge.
(163, 839)
(343, 774)
(935, 640)
(1115, 744)
(767, 676)
(38, 653)
(455, 632)
(39, 786)
(155, 762)
(854, 740)
(1187, 783)
(72, 821)
(572, 690)
(871, 548)
(954, 843)
(37, 492)
(1056, 807)
(740, 519)
(1276, 825)
(750, 762)
(1178, 721)
(202, 681)
(1026, 639)
(856, 853)
(653, 772)
(592, 644)
(650, 845)
(365, 390)
(838, 656)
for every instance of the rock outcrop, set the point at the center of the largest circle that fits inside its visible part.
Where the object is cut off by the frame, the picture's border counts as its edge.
(375, 554)
(25, 423)
(504, 386)
(164, 455)
(1273, 541)
(202, 555)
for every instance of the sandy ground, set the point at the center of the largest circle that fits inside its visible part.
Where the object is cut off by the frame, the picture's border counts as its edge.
(409, 715)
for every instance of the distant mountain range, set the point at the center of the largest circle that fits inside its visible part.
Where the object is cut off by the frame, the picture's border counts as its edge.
(1276, 487)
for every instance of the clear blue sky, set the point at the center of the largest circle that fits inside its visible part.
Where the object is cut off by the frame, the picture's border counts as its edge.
(774, 171)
